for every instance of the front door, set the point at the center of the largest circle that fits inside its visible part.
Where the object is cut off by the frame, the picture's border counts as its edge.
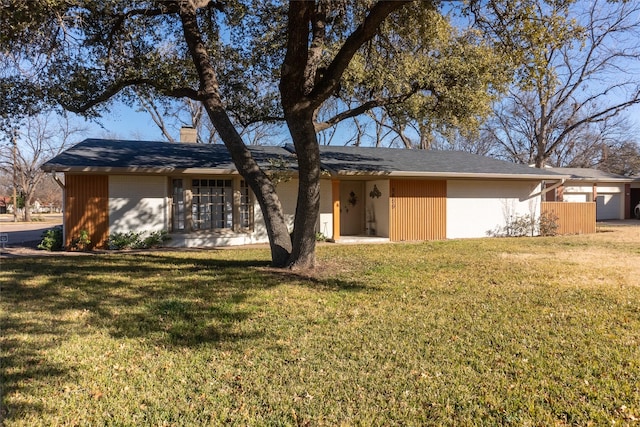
(352, 208)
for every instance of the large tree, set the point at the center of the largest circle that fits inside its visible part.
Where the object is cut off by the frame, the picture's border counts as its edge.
(26, 147)
(245, 61)
(579, 68)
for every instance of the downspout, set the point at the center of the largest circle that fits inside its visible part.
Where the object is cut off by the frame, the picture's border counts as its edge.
(60, 183)
(544, 191)
(64, 208)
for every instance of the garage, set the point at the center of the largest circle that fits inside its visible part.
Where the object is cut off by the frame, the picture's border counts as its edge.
(608, 206)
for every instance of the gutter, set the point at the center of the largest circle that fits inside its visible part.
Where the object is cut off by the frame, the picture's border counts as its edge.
(450, 175)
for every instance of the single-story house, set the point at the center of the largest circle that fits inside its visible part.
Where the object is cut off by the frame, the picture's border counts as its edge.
(4, 203)
(615, 196)
(194, 192)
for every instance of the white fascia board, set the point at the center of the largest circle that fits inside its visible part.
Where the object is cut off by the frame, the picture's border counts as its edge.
(139, 171)
(601, 180)
(468, 175)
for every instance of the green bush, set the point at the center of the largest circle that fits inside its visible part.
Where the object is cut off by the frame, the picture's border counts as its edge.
(133, 240)
(119, 241)
(81, 242)
(155, 239)
(51, 239)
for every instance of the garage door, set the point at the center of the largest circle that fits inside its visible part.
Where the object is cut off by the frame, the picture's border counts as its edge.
(608, 206)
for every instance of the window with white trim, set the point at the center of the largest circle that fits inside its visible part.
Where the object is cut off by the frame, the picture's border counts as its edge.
(246, 207)
(212, 204)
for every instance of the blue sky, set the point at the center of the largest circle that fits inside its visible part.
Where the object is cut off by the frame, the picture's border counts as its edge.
(125, 123)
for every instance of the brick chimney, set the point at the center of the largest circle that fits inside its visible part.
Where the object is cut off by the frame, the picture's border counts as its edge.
(188, 134)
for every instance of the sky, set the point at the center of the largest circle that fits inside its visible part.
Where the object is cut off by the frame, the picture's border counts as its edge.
(124, 122)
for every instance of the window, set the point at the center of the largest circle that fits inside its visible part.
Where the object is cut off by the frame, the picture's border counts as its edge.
(212, 204)
(177, 206)
(245, 206)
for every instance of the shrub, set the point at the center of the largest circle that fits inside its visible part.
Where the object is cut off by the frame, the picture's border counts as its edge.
(119, 241)
(155, 239)
(81, 242)
(51, 239)
(527, 225)
(548, 224)
(133, 240)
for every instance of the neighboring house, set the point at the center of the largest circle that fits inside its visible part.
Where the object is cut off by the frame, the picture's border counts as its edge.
(615, 195)
(194, 192)
(4, 203)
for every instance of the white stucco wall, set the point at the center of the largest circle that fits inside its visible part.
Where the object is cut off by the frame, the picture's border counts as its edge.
(378, 207)
(577, 197)
(325, 223)
(137, 203)
(475, 208)
(288, 194)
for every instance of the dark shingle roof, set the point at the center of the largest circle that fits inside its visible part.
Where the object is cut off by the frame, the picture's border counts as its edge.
(100, 155)
(591, 174)
(150, 156)
(395, 161)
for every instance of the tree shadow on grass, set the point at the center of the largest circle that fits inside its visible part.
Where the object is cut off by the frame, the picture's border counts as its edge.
(166, 299)
(24, 336)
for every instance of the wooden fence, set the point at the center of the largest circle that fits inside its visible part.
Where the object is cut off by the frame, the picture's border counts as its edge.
(573, 218)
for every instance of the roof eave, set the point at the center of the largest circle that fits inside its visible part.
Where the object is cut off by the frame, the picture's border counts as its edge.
(477, 175)
(601, 179)
(140, 170)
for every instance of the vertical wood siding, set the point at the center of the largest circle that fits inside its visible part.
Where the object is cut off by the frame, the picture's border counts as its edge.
(573, 218)
(87, 208)
(335, 198)
(418, 210)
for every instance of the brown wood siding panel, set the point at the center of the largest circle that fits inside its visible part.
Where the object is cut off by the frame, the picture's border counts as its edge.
(335, 197)
(418, 210)
(87, 208)
(573, 218)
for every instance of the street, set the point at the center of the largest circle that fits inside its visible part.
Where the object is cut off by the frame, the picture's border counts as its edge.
(19, 234)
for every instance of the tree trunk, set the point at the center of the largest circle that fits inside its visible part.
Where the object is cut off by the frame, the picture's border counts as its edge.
(261, 185)
(27, 209)
(259, 182)
(305, 141)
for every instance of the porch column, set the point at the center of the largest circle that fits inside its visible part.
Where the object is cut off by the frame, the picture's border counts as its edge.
(335, 195)
(627, 201)
(560, 194)
(595, 192)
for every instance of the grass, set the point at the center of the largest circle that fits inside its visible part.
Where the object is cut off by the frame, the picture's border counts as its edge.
(526, 331)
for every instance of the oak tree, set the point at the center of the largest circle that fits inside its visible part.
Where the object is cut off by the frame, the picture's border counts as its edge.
(26, 147)
(245, 61)
(578, 68)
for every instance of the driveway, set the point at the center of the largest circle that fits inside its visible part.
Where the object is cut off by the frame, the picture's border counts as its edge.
(25, 234)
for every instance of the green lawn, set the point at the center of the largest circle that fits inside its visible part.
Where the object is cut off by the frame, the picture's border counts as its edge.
(530, 331)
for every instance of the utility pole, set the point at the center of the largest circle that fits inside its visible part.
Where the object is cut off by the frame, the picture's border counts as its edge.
(15, 176)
